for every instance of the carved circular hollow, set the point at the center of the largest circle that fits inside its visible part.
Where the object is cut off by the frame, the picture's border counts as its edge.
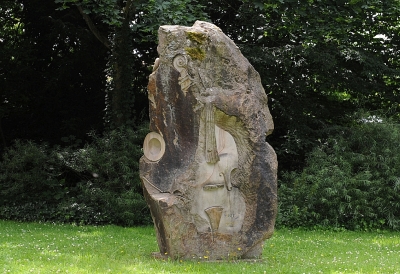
(154, 146)
(180, 62)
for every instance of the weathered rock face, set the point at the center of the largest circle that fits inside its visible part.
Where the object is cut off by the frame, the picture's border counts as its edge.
(208, 175)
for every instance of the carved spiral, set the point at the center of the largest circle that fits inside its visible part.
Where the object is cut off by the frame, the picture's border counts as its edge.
(180, 62)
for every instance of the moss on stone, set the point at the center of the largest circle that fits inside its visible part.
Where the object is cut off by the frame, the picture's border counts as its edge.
(196, 36)
(196, 53)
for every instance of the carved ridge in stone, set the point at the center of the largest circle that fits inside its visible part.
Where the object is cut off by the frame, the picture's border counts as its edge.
(211, 143)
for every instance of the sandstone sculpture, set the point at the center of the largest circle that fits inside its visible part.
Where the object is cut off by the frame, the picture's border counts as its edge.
(209, 176)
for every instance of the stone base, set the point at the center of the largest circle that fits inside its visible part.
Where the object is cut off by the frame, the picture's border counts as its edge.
(164, 257)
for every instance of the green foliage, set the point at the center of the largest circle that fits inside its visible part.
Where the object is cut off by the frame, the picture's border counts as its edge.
(171, 12)
(50, 74)
(352, 180)
(113, 161)
(28, 174)
(318, 60)
(11, 34)
(130, 34)
(108, 9)
(94, 185)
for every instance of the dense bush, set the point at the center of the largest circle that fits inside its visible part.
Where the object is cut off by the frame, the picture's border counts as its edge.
(96, 184)
(352, 180)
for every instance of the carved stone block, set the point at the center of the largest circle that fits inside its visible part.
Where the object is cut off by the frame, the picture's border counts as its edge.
(209, 176)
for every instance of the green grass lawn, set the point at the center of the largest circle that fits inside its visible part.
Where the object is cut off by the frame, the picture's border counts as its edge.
(47, 248)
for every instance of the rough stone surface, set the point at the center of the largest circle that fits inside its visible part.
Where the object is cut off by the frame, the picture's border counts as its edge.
(209, 176)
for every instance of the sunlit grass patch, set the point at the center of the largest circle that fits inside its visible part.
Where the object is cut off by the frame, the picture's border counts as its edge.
(47, 248)
(27, 247)
(335, 252)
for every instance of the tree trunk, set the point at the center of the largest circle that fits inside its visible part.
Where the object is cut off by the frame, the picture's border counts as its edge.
(120, 98)
(3, 139)
(121, 92)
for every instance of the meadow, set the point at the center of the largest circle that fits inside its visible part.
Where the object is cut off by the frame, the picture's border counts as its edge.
(56, 248)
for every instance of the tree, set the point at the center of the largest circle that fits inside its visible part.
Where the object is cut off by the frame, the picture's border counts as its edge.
(50, 74)
(130, 37)
(10, 37)
(319, 60)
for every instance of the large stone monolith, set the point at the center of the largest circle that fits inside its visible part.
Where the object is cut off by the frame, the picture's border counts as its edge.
(209, 176)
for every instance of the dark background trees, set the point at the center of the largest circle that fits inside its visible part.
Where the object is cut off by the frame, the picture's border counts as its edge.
(319, 61)
(51, 73)
(69, 67)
